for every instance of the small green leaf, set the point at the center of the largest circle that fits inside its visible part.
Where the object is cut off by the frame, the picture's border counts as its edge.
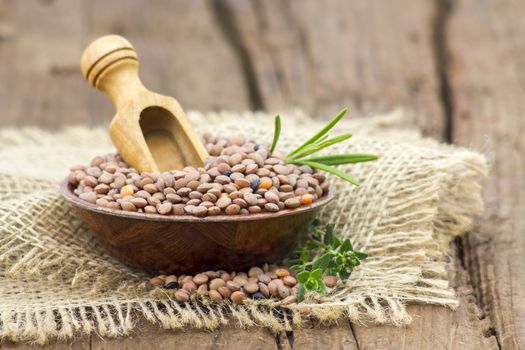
(343, 275)
(346, 246)
(329, 235)
(304, 256)
(339, 260)
(360, 255)
(322, 287)
(312, 245)
(303, 276)
(323, 261)
(316, 274)
(296, 267)
(296, 251)
(300, 292)
(311, 284)
(276, 132)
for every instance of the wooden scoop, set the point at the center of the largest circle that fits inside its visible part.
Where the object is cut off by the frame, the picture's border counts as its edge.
(150, 130)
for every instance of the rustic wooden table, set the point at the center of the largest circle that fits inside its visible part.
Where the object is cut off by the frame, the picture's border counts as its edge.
(457, 65)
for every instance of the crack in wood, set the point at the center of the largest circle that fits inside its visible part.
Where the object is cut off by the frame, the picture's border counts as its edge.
(465, 251)
(354, 335)
(458, 241)
(290, 338)
(225, 19)
(467, 264)
(444, 10)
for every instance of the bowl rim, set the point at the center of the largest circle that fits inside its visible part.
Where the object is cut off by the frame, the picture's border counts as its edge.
(67, 193)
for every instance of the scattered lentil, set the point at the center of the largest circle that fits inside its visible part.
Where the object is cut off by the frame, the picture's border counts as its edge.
(330, 281)
(257, 283)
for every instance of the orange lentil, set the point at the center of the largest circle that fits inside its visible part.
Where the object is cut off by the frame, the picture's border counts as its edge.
(307, 199)
(266, 184)
(126, 191)
(282, 273)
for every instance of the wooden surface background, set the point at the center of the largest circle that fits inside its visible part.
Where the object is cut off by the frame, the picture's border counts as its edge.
(458, 66)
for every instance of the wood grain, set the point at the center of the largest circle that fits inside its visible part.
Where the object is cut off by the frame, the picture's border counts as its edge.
(318, 336)
(41, 43)
(41, 49)
(437, 327)
(487, 75)
(371, 56)
(187, 56)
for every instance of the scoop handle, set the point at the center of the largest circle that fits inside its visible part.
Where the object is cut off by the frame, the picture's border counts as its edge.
(110, 64)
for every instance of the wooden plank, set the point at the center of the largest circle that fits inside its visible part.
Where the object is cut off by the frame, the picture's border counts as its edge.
(6, 44)
(318, 336)
(42, 47)
(436, 327)
(181, 50)
(487, 74)
(231, 337)
(82, 343)
(369, 55)
(149, 336)
(433, 328)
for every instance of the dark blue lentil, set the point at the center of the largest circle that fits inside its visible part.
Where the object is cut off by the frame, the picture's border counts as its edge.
(257, 296)
(227, 173)
(255, 185)
(256, 147)
(172, 285)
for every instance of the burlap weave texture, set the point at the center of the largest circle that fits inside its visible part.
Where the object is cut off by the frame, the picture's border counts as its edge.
(56, 280)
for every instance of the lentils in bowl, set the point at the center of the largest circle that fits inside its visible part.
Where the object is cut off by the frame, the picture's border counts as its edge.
(240, 177)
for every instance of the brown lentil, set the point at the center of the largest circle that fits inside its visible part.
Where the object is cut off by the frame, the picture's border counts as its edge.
(200, 278)
(217, 283)
(238, 297)
(235, 286)
(282, 272)
(289, 281)
(330, 281)
(215, 295)
(237, 173)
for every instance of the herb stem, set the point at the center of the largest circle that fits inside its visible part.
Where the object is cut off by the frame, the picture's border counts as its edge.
(321, 133)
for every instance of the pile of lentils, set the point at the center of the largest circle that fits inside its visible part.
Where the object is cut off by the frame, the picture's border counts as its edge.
(266, 282)
(239, 177)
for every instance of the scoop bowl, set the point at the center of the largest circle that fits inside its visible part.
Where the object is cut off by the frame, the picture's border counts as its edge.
(188, 244)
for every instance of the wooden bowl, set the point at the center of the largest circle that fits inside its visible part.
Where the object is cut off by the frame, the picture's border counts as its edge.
(176, 244)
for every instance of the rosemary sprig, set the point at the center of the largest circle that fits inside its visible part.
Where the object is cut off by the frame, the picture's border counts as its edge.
(317, 146)
(321, 132)
(329, 169)
(338, 159)
(325, 253)
(276, 133)
(319, 142)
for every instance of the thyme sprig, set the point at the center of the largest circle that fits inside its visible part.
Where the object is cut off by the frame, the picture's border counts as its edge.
(325, 253)
(318, 142)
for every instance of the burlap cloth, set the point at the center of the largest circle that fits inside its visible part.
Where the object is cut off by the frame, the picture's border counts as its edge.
(57, 282)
